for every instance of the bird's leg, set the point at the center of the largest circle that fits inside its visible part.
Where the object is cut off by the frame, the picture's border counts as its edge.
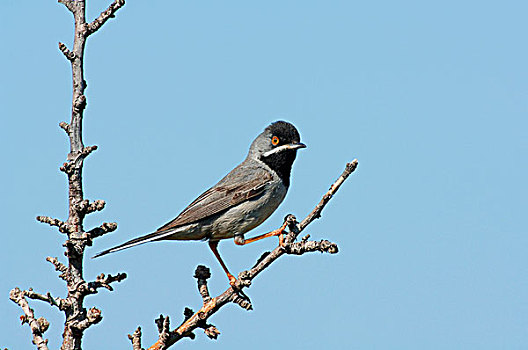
(239, 240)
(213, 245)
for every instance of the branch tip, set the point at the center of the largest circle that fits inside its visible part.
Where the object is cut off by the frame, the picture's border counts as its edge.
(37, 326)
(212, 332)
(105, 228)
(63, 226)
(135, 339)
(65, 126)
(104, 16)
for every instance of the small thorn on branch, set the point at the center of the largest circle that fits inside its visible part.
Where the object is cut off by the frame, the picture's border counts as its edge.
(63, 226)
(67, 53)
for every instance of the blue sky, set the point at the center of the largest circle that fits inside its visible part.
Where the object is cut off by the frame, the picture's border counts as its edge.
(432, 98)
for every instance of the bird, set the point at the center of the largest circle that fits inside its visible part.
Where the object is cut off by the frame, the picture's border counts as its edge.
(240, 201)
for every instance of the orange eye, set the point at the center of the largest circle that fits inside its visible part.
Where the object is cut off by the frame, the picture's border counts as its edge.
(274, 140)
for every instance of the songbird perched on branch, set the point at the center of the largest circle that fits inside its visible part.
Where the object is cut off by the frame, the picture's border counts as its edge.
(239, 202)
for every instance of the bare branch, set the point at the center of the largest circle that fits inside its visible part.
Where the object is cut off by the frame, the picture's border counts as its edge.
(234, 293)
(77, 317)
(62, 304)
(63, 226)
(316, 213)
(103, 281)
(300, 248)
(105, 228)
(38, 326)
(105, 16)
(59, 267)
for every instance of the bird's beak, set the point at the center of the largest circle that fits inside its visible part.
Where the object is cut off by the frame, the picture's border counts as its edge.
(289, 146)
(297, 145)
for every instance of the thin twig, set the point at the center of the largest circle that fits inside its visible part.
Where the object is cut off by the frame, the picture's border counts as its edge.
(105, 16)
(38, 326)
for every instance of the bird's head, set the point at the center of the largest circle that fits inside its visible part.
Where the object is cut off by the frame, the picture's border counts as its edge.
(277, 147)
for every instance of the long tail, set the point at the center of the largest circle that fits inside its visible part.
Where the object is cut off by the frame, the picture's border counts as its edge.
(136, 241)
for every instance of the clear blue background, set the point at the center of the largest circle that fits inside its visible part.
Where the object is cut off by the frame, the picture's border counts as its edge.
(432, 98)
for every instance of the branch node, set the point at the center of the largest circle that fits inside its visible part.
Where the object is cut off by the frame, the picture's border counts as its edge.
(93, 316)
(79, 103)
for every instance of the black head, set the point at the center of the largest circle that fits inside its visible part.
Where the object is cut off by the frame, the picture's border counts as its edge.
(277, 147)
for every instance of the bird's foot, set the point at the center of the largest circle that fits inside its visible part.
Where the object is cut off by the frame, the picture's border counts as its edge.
(239, 240)
(232, 279)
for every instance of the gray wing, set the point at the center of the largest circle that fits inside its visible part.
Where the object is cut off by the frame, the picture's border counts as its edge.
(241, 184)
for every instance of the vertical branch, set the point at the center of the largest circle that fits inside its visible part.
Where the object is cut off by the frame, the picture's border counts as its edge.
(78, 318)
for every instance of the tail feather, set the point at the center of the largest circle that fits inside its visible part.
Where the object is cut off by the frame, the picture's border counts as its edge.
(136, 241)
